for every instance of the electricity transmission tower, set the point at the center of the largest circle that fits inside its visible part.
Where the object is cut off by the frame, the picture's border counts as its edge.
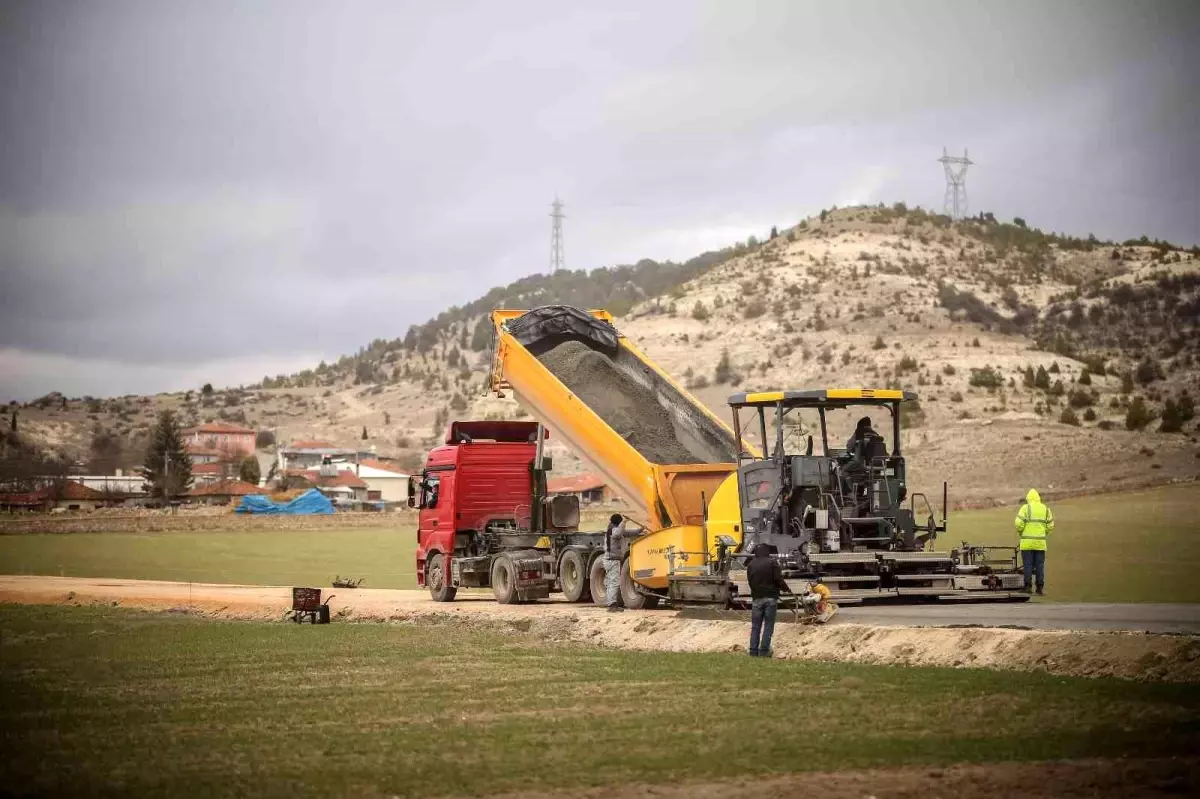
(556, 239)
(956, 183)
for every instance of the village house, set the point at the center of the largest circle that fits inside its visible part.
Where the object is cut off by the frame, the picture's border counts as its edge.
(223, 492)
(221, 436)
(590, 488)
(60, 495)
(342, 487)
(200, 453)
(310, 454)
(384, 482)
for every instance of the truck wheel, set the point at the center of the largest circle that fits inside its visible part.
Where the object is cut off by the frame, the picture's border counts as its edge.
(504, 580)
(630, 596)
(596, 581)
(576, 583)
(438, 581)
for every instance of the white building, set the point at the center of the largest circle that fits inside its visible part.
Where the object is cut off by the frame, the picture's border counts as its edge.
(384, 482)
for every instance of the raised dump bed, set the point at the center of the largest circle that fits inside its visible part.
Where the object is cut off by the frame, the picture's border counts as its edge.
(659, 446)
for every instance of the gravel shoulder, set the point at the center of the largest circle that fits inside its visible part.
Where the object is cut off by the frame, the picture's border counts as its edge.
(1093, 653)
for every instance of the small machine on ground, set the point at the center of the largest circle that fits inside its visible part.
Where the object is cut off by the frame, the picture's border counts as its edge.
(307, 605)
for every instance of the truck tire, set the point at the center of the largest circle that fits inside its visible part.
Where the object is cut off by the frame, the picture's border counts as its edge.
(574, 577)
(438, 581)
(596, 581)
(630, 596)
(504, 580)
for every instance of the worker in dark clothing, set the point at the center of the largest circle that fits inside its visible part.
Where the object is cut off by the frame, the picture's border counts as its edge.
(613, 536)
(766, 581)
(862, 432)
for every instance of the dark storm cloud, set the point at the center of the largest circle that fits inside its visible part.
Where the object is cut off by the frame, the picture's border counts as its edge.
(238, 186)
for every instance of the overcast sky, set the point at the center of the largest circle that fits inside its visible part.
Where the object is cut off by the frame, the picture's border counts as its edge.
(212, 191)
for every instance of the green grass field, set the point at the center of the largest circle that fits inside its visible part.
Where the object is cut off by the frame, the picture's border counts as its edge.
(1138, 547)
(261, 557)
(1134, 547)
(116, 702)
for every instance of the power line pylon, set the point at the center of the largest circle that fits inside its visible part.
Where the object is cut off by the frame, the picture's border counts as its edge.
(556, 236)
(956, 183)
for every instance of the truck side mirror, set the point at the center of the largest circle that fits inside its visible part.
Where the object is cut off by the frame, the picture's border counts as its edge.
(412, 491)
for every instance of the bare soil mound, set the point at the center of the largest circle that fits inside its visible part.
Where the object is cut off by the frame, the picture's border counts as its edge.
(1138, 656)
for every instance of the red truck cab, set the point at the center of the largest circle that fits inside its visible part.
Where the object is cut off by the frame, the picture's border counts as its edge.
(479, 482)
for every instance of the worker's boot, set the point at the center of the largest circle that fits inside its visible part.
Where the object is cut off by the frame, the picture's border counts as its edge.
(615, 609)
(1027, 589)
(1040, 591)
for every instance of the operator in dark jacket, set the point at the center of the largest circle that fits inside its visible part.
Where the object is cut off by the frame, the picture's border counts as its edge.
(766, 581)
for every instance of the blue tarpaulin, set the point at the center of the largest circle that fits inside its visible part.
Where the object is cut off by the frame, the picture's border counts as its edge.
(310, 502)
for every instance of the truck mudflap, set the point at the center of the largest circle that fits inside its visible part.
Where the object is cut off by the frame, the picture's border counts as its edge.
(531, 580)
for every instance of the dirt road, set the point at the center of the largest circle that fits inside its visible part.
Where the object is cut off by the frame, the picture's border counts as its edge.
(1135, 655)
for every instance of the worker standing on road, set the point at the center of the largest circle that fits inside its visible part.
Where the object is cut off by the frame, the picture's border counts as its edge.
(1034, 524)
(766, 581)
(613, 535)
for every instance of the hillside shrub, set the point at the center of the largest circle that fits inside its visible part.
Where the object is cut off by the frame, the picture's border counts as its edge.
(754, 308)
(1089, 415)
(264, 439)
(1187, 407)
(1139, 415)
(1172, 419)
(699, 312)
(987, 377)
(724, 370)
(879, 344)
(1078, 398)
(956, 396)
(1148, 371)
(1068, 417)
(1085, 377)
(1042, 379)
(906, 364)
(948, 370)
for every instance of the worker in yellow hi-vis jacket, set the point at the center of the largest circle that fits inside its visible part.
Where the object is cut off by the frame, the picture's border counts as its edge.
(1034, 524)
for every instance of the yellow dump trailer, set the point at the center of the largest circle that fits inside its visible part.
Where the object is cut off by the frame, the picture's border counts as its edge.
(658, 446)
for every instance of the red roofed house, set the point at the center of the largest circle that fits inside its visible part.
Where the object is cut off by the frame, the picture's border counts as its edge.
(223, 492)
(588, 487)
(202, 454)
(343, 487)
(61, 495)
(205, 473)
(223, 436)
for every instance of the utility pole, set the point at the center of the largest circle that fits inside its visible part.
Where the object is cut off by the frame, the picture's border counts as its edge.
(956, 183)
(556, 235)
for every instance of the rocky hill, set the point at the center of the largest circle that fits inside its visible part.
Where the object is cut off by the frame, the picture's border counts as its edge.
(1066, 363)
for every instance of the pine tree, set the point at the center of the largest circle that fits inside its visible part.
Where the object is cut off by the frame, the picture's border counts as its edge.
(364, 433)
(249, 471)
(481, 337)
(12, 423)
(168, 469)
